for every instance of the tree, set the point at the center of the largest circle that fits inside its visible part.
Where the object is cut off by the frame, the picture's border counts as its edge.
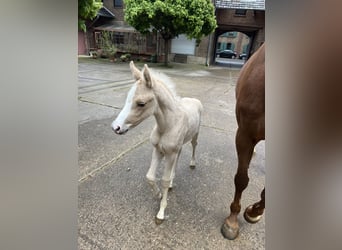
(87, 10)
(170, 18)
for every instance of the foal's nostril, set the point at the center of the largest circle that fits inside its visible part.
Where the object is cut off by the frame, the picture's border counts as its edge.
(116, 128)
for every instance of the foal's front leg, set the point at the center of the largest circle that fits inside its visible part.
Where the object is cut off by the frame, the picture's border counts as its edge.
(151, 174)
(174, 170)
(171, 162)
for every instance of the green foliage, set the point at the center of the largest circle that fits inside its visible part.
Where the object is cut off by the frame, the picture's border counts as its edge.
(125, 57)
(106, 44)
(170, 18)
(87, 10)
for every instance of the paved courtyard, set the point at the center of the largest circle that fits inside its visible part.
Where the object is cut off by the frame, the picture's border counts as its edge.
(116, 205)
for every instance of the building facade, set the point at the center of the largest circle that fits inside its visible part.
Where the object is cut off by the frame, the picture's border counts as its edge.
(242, 20)
(245, 16)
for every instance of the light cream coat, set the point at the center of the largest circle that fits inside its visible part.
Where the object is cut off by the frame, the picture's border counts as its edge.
(177, 122)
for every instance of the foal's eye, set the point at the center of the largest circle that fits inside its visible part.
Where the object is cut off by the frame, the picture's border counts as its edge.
(141, 104)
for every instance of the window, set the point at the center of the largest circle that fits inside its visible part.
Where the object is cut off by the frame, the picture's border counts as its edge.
(219, 46)
(240, 12)
(97, 36)
(232, 34)
(118, 38)
(244, 50)
(117, 3)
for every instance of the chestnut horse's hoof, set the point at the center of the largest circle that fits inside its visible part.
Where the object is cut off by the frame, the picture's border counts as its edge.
(250, 219)
(228, 232)
(192, 166)
(158, 221)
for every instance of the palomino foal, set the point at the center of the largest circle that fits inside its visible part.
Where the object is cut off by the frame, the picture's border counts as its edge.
(250, 116)
(177, 122)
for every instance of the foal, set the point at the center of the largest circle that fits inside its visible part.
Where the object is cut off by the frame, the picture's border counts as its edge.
(177, 122)
(250, 116)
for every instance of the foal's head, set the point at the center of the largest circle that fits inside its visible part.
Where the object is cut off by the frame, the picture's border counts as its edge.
(140, 102)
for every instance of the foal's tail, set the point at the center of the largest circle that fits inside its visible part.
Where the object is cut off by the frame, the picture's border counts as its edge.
(200, 106)
(200, 109)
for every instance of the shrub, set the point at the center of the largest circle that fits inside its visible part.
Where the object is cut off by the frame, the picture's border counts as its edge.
(125, 57)
(107, 46)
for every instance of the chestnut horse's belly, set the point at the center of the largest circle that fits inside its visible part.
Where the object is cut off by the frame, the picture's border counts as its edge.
(250, 97)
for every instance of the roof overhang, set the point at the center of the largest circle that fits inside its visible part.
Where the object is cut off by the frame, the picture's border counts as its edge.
(240, 4)
(105, 12)
(116, 27)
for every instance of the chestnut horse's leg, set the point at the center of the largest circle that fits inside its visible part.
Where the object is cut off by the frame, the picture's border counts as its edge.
(253, 213)
(244, 147)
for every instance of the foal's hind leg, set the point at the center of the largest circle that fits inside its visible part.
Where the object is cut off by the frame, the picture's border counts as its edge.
(194, 144)
(254, 212)
(244, 147)
(173, 171)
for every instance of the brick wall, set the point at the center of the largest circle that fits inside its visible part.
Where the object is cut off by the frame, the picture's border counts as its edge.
(252, 19)
(118, 11)
(252, 24)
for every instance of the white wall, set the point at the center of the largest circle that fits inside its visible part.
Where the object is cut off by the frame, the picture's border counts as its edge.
(182, 45)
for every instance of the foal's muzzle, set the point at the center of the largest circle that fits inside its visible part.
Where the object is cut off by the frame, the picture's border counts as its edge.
(118, 130)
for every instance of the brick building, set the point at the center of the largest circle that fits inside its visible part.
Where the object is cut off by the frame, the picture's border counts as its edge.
(233, 40)
(126, 38)
(246, 16)
(233, 17)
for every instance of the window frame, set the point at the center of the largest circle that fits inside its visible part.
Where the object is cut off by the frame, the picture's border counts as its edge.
(240, 12)
(118, 3)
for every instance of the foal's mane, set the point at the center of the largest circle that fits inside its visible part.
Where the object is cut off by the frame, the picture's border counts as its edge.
(164, 79)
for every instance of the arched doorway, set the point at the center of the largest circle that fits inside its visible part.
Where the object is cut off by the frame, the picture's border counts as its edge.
(232, 47)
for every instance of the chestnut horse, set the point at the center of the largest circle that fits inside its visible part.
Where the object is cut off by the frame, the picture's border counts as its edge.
(250, 116)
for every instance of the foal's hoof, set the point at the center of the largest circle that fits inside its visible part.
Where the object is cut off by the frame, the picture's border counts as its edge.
(228, 232)
(251, 219)
(172, 186)
(158, 221)
(192, 166)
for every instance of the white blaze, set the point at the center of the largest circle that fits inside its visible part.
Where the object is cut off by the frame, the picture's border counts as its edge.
(121, 118)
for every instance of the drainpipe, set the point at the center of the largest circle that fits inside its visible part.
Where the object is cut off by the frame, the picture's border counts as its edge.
(208, 51)
(86, 33)
(158, 41)
(209, 44)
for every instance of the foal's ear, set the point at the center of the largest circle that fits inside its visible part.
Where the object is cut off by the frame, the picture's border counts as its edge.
(147, 76)
(135, 71)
